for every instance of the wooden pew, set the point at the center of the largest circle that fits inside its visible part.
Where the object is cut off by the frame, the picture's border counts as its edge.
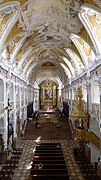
(48, 154)
(48, 144)
(48, 157)
(52, 166)
(6, 173)
(37, 161)
(47, 148)
(15, 163)
(9, 166)
(18, 150)
(48, 171)
(49, 177)
(48, 151)
(14, 160)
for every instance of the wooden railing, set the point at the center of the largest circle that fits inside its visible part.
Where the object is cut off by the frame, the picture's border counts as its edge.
(88, 136)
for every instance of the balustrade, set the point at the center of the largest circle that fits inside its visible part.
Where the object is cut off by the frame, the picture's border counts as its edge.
(87, 136)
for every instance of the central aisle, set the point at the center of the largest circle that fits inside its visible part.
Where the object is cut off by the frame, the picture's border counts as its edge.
(50, 129)
(48, 133)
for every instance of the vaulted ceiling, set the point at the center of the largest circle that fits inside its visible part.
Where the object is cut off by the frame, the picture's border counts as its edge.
(49, 39)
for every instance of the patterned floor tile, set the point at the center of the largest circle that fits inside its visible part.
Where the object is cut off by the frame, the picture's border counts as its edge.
(22, 172)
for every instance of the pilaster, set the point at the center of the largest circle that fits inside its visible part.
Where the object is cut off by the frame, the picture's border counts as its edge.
(99, 81)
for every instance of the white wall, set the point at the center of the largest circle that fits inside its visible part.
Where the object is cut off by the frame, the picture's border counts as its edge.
(95, 153)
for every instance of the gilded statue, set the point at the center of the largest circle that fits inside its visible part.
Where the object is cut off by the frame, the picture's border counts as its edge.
(78, 112)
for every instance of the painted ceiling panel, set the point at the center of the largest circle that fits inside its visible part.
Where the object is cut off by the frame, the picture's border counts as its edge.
(75, 58)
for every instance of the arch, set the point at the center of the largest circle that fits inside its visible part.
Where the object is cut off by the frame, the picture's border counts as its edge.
(28, 64)
(90, 17)
(75, 58)
(17, 48)
(67, 71)
(42, 78)
(84, 49)
(69, 64)
(24, 57)
(11, 20)
(48, 53)
(46, 70)
(30, 69)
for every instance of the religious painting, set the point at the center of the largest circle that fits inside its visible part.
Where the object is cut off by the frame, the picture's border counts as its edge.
(48, 93)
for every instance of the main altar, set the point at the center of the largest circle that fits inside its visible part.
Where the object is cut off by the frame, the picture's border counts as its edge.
(48, 95)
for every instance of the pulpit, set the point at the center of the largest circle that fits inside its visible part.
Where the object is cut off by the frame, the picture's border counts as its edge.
(78, 113)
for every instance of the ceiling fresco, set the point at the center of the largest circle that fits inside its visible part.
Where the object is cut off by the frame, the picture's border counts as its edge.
(46, 38)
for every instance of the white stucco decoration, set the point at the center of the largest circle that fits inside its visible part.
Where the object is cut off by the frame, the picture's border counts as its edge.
(67, 71)
(91, 18)
(12, 8)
